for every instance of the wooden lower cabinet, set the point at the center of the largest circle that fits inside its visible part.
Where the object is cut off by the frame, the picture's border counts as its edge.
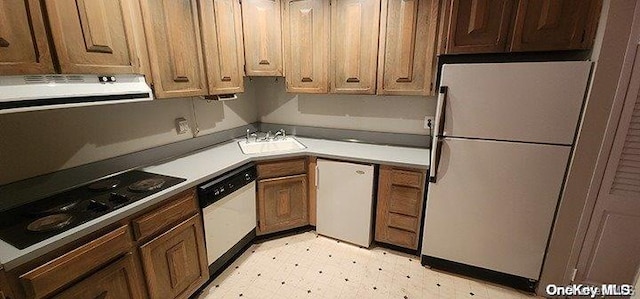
(400, 206)
(282, 203)
(175, 262)
(118, 280)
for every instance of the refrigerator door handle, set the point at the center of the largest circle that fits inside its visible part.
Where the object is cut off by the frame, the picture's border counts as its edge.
(436, 142)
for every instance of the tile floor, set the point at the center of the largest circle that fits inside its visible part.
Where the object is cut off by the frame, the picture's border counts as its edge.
(310, 266)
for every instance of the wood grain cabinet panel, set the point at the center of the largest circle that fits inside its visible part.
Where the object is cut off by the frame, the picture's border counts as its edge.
(262, 37)
(94, 36)
(354, 45)
(407, 47)
(45, 280)
(118, 280)
(281, 168)
(400, 206)
(175, 47)
(306, 44)
(282, 203)
(23, 40)
(175, 263)
(223, 49)
(182, 207)
(477, 26)
(549, 25)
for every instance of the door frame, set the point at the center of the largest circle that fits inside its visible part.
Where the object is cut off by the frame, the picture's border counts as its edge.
(624, 83)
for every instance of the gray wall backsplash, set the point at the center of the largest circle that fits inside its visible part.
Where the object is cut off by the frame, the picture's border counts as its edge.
(41, 142)
(395, 114)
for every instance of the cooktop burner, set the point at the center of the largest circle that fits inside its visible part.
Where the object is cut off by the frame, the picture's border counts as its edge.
(31, 223)
(50, 223)
(104, 185)
(147, 185)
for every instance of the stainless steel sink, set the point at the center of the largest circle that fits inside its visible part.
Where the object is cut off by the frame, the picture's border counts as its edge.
(277, 145)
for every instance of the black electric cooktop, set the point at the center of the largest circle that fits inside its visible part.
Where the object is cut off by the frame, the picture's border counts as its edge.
(31, 223)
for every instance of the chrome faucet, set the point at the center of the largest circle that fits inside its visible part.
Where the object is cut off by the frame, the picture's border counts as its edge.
(281, 132)
(251, 135)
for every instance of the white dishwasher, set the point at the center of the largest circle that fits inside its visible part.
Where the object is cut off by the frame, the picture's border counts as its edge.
(345, 201)
(228, 206)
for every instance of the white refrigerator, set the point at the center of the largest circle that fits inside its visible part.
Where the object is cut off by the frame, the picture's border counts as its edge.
(504, 136)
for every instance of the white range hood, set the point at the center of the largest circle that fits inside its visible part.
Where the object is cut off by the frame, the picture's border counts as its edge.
(42, 92)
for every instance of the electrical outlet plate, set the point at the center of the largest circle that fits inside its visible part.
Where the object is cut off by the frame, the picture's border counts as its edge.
(182, 125)
(427, 119)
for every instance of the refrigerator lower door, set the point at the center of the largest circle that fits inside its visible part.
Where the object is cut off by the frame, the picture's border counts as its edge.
(345, 201)
(493, 204)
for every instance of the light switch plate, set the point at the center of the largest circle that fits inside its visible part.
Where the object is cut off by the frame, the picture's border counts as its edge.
(182, 125)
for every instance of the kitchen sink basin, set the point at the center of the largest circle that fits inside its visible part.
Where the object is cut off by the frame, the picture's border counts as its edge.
(259, 147)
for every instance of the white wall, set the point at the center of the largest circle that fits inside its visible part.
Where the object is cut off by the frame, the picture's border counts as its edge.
(397, 114)
(39, 142)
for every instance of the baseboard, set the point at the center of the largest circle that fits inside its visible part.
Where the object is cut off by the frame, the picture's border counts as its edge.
(517, 282)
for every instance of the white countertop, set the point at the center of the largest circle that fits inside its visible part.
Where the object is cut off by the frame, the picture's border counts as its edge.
(208, 163)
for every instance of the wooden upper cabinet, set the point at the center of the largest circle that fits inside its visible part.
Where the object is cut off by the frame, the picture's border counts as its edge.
(262, 37)
(477, 26)
(175, 48)
(93, 36)
(354, 45)
(23, 40)
(407, 47)
(549, 25)
(223, 49)
(306, 38)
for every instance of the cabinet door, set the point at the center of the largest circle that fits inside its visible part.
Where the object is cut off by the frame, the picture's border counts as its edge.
(222, 37)
(400, 205)
(175, 263)
(175, 49)
(306, 38)
(547, 25)
(407, 47)
(262, 37)
(478, 26)
(282, 203)
(93, 36)
(23, 40)
(354, 45)
(118, 280)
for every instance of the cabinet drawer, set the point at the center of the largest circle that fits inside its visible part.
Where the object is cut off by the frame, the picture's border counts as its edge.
(54, 275)
(159, 220)
(281, 168)
(402, 238)
(406, 178)
(405, 200)
(403, 222)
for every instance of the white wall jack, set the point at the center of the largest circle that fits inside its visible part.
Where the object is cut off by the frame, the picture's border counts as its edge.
(426, 121)
(182, 125)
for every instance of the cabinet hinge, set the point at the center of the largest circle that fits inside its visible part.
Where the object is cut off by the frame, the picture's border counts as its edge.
(573, 274)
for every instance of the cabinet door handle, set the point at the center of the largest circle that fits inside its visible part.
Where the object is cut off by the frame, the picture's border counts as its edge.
(4, 43)
(353, 80)
(181, 79)
(226, 79)
(307, 79)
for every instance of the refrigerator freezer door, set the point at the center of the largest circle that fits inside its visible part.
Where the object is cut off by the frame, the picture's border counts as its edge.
(493, 204)
(345, 201)
(532, 102)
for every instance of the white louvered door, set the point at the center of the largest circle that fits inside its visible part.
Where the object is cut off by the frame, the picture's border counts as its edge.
(611, 250)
